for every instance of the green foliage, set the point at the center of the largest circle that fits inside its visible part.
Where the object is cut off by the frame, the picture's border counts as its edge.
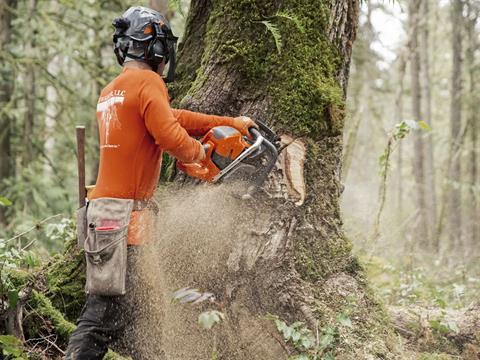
(428, 286)
(12, 348)
(308, 345)
(286, 15)
(67, 47)
(12, 262)
(5, 201)
(44, 308)
(273, 29)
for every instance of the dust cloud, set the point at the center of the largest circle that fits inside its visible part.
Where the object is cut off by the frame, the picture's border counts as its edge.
(193, 235)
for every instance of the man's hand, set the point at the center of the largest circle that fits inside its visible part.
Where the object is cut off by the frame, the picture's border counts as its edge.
(201, 155)
(243, 123)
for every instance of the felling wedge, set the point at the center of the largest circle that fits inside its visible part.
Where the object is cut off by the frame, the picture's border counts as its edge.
(230, 156)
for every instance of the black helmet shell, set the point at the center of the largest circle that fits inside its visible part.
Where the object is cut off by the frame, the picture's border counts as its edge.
(140, 19)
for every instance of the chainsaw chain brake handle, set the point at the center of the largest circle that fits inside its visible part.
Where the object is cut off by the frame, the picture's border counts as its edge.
(268, 141)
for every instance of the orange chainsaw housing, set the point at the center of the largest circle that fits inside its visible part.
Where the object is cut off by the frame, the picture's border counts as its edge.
(223, 142)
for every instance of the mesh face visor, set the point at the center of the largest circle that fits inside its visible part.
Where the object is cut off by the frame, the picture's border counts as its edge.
(172, 59)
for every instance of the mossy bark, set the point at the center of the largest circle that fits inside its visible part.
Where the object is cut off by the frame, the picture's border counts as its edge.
(303, 268)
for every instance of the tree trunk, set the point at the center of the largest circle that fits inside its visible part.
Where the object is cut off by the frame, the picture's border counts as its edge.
(399, 117)
(421, 232)
(299, 264)
(473, 118)
(429, 166)
(30, 97)
(455, 173)
(7, 165)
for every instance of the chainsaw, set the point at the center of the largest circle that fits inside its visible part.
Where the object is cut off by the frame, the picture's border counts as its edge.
(231, 157)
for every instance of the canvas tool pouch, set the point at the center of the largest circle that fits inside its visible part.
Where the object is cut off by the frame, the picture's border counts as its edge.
(106, 245)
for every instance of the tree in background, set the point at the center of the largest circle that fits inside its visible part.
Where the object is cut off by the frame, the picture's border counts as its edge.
(455, 229)
(6, 102)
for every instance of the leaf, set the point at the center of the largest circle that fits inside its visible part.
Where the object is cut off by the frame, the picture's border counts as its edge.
(275, 33)
(12, 297)
(9, 340)
(412, 124)
(12, 347)
(297, 324)
(326, 340)
(299, 357)
(204, 297)
(181, 294)
(293, 18)
(208, 319)
(328, 356)
(176, 5)
(5, 201)
(424, 126)
(307, 342)
(344, 320)
(287, 332)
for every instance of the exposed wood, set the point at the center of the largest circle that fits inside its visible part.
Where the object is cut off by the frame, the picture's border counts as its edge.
(292, 159)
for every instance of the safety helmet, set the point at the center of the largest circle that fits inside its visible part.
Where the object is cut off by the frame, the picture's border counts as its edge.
(144, 34)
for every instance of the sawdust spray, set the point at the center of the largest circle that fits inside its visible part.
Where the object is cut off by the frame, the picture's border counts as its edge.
(194, 232)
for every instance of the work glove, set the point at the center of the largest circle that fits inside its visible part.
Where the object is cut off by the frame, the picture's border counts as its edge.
(243, 123)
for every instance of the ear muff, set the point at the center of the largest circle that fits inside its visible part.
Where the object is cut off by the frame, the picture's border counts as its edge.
(156, 51)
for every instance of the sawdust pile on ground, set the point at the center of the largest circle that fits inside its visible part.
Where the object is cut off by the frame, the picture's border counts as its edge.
(194, 232)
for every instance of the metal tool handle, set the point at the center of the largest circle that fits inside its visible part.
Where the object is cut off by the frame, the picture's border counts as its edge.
(80, 131)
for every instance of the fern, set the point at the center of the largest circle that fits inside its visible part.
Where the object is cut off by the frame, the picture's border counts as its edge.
(296, 20)
(275, 33)
(176, 5)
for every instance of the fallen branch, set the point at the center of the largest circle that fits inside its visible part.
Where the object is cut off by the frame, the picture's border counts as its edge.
(36, 226)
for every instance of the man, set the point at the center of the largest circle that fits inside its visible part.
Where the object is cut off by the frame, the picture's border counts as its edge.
(136, 125)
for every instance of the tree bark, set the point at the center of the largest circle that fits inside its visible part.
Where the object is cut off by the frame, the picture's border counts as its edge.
(421, 231)
(30, 97)
(473, 118)
(455, 173)
(300, 263)
(7, 165)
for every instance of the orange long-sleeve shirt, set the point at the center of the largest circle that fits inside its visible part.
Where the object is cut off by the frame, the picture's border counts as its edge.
(136, 125)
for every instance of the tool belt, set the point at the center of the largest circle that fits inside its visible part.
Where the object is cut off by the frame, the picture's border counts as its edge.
(103, 231)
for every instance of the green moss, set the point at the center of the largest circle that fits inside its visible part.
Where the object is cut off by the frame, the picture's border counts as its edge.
(110, 355)
(65, 279)
(44, 308)
(300, 81)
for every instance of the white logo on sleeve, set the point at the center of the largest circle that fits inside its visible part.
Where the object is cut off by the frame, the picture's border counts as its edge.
(107, 106)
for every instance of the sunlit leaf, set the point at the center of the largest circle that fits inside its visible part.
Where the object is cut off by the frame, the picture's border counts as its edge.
(208, 319)
(5, 201)
(344, 320)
